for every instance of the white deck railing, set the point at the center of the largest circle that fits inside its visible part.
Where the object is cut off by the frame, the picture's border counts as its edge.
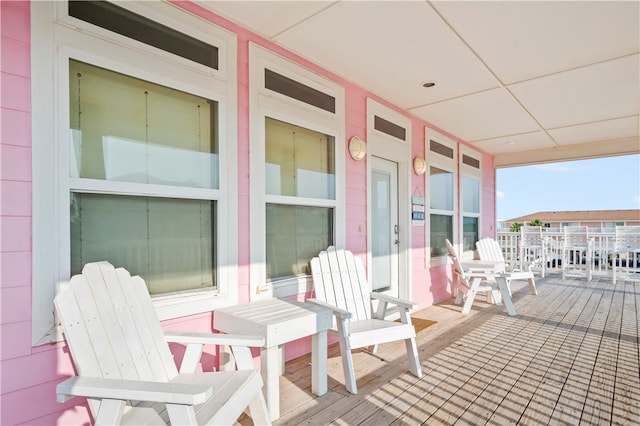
(602, 243)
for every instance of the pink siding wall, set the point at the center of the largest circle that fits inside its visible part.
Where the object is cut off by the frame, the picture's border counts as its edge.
(30, 374)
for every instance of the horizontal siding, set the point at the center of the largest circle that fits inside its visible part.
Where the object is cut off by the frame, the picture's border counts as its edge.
(15, 341)
(16, 269)
(52, 364)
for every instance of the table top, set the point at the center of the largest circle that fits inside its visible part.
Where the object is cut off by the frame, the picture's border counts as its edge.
(485, 265)
(277, 320)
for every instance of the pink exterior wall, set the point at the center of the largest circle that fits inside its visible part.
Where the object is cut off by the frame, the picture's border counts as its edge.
(30, 374)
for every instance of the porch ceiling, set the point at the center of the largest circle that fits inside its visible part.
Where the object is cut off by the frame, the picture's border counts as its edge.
(529, 82)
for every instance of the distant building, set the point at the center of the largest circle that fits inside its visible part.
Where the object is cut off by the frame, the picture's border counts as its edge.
(594, 219)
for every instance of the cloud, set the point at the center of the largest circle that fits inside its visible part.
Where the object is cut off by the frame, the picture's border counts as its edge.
(500, 194)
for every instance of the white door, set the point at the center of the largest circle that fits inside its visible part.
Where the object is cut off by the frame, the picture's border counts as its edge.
(384, 225)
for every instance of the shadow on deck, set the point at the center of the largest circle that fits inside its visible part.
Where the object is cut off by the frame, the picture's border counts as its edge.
(569, 356)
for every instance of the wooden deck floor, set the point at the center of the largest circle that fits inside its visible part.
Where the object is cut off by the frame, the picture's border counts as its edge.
(570, 356)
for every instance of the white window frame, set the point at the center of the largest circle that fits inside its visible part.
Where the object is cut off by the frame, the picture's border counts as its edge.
(469, 171)
(450, 165)
(57, 37)
(266, 103)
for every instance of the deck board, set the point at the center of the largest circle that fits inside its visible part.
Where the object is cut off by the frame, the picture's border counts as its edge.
(570, 356)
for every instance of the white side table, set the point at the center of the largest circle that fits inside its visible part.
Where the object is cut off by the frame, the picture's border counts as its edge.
(280, 321)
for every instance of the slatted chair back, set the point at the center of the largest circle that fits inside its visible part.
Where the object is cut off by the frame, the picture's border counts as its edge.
(531, 236)
(576, 237)
(489, 249)
(626, 254)
(627, 238)
(339, 279)
(111, 327)
(457, 266)
(533, 248)
(577, 250)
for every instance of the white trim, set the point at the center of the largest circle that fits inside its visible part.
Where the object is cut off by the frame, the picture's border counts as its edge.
(451, 165)
(56, 37)
(266, 103)
(391, 148)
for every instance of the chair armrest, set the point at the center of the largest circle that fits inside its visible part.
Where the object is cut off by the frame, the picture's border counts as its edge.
(523, 266)
(394, 300)
(137, 390)
(480, 274)
(338, 312)
(214, 339)
(239, 345)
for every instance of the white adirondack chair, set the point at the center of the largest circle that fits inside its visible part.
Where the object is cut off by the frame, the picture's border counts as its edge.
(340, 284)
(626, 252)
(490, 250)
(577, 251)
(533, 248)
(470, 282)
(124, 365)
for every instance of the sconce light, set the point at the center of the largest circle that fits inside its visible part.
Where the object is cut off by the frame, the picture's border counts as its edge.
(419, 165)
(357, 148)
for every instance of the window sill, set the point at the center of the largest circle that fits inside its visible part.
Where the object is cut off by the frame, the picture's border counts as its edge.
(438, 261)
(286, 287)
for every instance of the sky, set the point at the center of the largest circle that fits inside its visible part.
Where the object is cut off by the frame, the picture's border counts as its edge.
(611, 183)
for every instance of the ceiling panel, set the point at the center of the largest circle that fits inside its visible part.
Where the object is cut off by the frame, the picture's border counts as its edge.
(599, 92)
(267, 18)
(520, 40)
(482, 115)
(598, 131)
(517, 143)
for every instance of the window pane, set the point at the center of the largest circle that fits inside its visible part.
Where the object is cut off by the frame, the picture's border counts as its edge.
(137, 27)
(296, 90)
(469, 233)
(441, 229)
(470, 195)
(441, 189)
(299, 162)
(130, 130)
(295, 234)
(168, 242)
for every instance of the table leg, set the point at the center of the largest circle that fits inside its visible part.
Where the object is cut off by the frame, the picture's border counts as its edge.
(319, 363)
(270, 369)
(506, 297)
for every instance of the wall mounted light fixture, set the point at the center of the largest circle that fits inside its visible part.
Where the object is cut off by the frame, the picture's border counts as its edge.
(357, 148)
(419, 165)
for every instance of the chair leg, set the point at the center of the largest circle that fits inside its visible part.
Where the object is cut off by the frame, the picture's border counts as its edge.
(471, 295)
(347, 359)
(181, 414)
(466, 308)
(414, 360)
(258, 410)
(506, 298)
(110, 412)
